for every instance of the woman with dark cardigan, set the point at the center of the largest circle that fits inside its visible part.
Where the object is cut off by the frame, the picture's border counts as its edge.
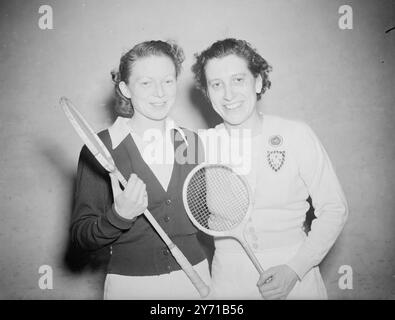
(146, 145)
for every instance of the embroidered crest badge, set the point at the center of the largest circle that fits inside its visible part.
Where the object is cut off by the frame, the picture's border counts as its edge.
(276, 159)
(275, 141)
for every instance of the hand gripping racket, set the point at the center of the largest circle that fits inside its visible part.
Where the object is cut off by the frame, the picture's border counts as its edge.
(103, 156)
(218, 201)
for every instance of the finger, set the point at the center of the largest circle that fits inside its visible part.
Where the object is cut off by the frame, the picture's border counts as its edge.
(142, 194)
(116, 189)
(145, 199)
(267, 281)
(138, 195)
(134, 194)
(132, 178)
(269, 286)
(274, 296)
(270, 292)
(265, 277)
(131, 185)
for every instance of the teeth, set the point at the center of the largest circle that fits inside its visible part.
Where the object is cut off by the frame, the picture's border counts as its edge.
(233, 105)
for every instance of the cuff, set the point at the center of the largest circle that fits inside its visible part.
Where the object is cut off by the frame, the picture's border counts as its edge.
(117, 221)
(301, 264)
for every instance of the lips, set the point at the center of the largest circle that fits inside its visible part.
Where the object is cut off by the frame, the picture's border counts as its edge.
(158, 104)
(234, 105)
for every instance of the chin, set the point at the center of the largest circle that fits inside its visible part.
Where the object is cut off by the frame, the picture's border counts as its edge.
(159, 115)
(235, 121)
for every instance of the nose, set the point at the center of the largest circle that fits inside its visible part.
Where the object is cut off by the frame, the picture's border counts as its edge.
(159, 90)
(228, 93)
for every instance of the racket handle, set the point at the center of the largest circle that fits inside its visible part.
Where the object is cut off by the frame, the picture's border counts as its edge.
(120, 177)
(251, 255)
(197, 281)
(255, 261)
(200, 286)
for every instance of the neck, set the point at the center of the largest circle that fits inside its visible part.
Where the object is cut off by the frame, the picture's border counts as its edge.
(253, 123)
(140, 124)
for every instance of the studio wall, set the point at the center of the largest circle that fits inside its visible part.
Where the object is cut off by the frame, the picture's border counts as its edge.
(340, 82)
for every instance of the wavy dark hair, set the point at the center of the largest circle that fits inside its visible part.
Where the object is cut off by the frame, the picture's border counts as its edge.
(123, 106)
(256, 63)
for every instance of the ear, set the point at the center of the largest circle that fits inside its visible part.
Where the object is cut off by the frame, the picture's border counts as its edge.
(207, 95)
(258, 83)
(124, 89)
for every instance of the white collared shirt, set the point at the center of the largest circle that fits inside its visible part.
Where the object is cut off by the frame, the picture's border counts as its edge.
(156, 149)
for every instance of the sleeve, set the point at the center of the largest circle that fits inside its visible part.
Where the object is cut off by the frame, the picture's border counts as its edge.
(94, 223)
(328, 200)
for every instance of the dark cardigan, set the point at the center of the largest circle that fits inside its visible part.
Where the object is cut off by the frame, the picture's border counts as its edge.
(136, 249)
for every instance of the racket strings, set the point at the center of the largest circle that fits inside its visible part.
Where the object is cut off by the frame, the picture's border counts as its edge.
(217, 198)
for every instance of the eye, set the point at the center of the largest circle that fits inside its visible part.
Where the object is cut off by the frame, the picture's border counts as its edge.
(216, 85)
(169, 81)
(145, 83)
(239, 79)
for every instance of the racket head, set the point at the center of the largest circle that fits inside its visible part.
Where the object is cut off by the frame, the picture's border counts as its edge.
(88, 136)
(217, 200)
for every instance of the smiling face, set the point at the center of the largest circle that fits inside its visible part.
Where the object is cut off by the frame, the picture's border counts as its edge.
(232, 88)
(152, 87)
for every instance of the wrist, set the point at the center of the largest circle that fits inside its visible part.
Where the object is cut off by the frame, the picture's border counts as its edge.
(121, 214)
(293, 272)
(118, 221)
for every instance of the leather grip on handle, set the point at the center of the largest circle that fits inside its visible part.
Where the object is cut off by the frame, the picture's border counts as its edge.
(203, 289)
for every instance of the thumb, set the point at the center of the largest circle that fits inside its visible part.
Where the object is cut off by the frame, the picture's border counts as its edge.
(116, 189)
(266, 276)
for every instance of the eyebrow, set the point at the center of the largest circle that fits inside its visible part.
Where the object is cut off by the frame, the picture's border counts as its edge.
(152, 78)
(239, 74)
(233, 75)
(213, 80)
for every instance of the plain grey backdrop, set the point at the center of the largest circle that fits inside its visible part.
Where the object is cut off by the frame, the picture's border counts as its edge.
(341, 82)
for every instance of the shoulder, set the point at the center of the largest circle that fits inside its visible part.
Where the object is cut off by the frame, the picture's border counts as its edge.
(293, 129)
(295, 134)
(285, 125)
(104, 136)
(87, 159)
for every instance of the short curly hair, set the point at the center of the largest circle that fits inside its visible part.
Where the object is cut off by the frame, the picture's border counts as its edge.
(170, 49)
(256, 63)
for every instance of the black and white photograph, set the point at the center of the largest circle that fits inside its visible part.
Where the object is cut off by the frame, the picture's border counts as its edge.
(185, 150)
